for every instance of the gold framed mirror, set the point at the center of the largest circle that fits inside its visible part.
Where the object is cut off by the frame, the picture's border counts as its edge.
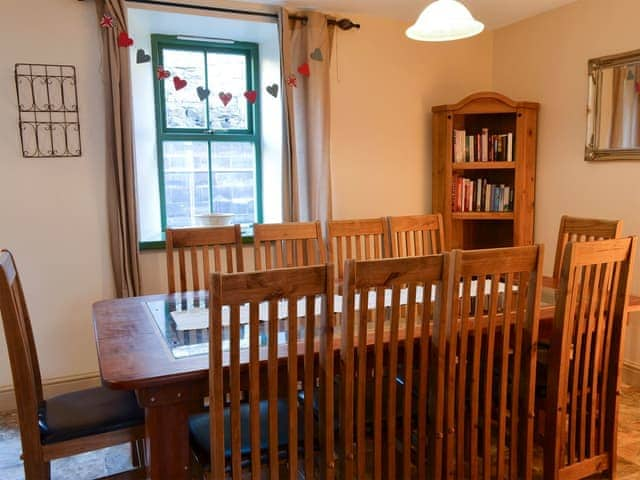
(613, 108)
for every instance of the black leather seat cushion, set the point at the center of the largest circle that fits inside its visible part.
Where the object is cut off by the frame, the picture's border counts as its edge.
(199, 429)
(88, 412)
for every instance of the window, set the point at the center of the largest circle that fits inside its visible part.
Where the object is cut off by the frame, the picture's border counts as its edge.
(208, 133)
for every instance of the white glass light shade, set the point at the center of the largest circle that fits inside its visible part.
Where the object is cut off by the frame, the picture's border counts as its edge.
(444, 20)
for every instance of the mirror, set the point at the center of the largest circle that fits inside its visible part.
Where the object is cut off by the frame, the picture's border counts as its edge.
(613, 108)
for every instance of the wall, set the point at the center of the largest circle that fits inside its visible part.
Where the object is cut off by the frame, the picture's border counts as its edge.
(52, 210)
(544, 59)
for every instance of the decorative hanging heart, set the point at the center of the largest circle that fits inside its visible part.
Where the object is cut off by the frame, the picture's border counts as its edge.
(202, 93)
(124, 40)
(142, 57)
(162, 73)
(273, 90)
(292, 81)
(304, 69)
(251, 96)
(179, 83)
(637, 87)
(106, 21)
(630, 75)
(225, 98)
(316, 55)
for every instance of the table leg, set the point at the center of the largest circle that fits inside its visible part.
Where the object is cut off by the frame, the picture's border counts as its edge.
(168, 441)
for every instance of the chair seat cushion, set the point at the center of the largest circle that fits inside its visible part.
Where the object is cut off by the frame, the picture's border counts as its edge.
(199, 429)
(88, 412)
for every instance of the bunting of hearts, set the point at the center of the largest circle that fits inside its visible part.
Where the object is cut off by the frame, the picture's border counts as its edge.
(124, 40)
(292, 81)
(162, 73)
(273, 90)
(225, 97)
(251, 96)
(179, 83)
(142, 56)
(106, 21)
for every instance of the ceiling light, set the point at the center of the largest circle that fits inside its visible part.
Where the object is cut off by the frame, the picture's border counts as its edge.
(444, 20)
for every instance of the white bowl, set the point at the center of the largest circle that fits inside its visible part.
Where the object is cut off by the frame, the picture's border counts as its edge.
(208, 219)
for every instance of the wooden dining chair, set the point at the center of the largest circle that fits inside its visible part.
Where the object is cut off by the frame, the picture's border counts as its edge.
(278, 322)
(389, 305)
(67, 424)
(577, 229)
(413, 235)
(362, 239)
(585, 360)
(485, 363)
(293, 244)
(199, 251)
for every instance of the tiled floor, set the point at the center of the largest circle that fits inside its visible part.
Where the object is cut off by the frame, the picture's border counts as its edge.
(115, 459)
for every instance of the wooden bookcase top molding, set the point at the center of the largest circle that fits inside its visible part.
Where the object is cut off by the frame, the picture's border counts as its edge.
(484, 162)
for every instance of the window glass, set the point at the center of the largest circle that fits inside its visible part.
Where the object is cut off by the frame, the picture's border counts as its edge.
(233, 178)
(183, 108)
(186, 181)
(227, 75)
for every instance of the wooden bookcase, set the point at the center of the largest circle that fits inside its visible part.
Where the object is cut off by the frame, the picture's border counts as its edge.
(500, 116)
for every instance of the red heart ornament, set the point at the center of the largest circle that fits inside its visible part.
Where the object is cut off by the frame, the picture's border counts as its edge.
(162, 73)
(251, 95)
(225, 98)
(179, 83)
(124, 40)
(304, 69)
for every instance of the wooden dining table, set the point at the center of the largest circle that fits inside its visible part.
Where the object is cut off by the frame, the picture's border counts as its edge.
(140, 349)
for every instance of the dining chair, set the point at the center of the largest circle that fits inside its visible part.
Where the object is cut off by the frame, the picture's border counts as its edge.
(579, 229)
(585, 360)
(67, 424)
(389, 304)
(485, 360)
(199, 251)
(265, 331)
(293, 244)
(361, 239)
(413, 235)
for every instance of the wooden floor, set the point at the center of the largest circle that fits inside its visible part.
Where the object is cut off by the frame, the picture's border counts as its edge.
(111, 460)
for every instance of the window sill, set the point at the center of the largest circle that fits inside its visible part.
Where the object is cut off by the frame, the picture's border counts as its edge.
(159, 243)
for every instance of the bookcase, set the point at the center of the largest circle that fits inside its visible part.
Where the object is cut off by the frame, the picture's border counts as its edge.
(484, 165)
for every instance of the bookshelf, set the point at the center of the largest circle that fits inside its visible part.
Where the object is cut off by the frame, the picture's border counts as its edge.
(484, 165)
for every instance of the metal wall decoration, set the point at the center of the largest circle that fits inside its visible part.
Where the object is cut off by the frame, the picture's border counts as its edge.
(48, 110)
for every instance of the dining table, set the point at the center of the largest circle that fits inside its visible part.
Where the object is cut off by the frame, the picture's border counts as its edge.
(157, 346)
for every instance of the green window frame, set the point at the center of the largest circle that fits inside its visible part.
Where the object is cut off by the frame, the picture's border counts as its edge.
(251, 134)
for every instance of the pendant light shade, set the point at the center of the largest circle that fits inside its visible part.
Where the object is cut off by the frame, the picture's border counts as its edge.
(444, 20)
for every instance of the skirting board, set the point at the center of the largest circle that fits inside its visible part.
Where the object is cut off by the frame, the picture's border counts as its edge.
(631, 373)
(51, 387)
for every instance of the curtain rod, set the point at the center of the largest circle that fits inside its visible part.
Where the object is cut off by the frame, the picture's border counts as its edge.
(343, 23)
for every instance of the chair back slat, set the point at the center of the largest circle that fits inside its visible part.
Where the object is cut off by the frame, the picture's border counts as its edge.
(585, 358)
(389, 304)
(577, 229)
(193, 250)
(270, 350)
(485, 358)
(296, 244)
(414, 235)
(361, 239)
(23, 356)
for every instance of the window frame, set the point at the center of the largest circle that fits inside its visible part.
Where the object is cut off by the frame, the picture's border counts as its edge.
(252, 134)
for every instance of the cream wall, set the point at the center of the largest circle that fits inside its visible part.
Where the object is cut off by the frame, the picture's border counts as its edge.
(544, 59)
(52, 210)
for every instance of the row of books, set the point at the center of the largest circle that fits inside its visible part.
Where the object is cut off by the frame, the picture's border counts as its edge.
(478, 195)
(482, 147)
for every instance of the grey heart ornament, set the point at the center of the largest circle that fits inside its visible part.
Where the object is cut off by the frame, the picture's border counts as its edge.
(273, 90)
(317, 55)
(202, 92)
(142, 57)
